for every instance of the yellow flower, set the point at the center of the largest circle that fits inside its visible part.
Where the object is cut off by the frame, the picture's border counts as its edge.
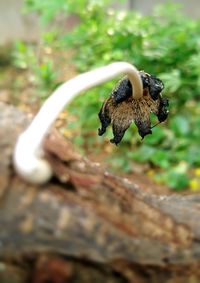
(194, 185)
(197, 172)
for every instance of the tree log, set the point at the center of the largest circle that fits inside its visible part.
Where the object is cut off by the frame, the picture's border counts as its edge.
(87, 224)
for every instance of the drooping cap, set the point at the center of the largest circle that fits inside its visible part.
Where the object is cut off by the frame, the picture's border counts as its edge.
(121, 109)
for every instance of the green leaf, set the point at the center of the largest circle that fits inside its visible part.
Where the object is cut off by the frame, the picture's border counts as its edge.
(180, 125)
(161, 158)
(143, 153)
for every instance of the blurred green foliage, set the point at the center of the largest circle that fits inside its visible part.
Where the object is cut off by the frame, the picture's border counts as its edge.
(166, 44)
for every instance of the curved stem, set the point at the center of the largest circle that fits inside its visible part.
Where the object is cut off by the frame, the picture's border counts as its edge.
(28, 154)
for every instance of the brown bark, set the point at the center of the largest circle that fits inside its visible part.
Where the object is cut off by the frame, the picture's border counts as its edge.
(88, 225)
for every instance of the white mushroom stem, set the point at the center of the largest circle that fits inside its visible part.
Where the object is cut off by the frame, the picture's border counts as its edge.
(28, 155)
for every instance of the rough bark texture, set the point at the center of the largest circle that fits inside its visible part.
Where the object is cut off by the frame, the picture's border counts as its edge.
(87, 225)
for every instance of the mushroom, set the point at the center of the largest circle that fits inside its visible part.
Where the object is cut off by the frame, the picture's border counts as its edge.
(29, 160)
